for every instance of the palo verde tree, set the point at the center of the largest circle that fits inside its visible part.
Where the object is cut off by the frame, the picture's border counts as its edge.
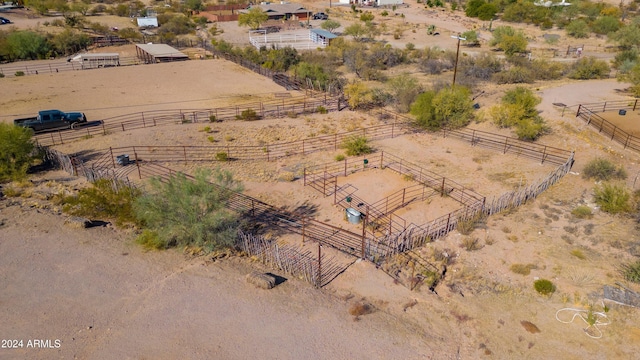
(518, 110)
(16, 152)
(330, 25)
(189, 212)
(450, 108)
(253, 18)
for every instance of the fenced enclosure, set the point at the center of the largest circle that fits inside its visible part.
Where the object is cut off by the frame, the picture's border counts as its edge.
(588, 113)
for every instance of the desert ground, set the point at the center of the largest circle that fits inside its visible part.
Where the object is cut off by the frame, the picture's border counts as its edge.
(102, 296)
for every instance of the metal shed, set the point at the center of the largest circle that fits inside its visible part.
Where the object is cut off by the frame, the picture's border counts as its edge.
(322, 37)
(155, 53)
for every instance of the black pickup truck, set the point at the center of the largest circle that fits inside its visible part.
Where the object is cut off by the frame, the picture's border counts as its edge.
(51, 119)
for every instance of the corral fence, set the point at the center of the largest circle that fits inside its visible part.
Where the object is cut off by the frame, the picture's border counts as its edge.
(588, 113)
(267, 109)
(397, 237)
(315, 268)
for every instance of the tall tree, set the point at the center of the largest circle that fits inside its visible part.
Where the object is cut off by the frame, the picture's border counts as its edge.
(253, 18)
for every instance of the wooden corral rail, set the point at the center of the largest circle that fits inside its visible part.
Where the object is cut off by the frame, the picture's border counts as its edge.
(266, 109)
(588, 113)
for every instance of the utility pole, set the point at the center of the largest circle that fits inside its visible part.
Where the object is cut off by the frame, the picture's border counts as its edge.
(455, 67)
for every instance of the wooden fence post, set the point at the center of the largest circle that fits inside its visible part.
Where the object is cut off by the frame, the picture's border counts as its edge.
(578, 112)
(113, 162)
(345, 167)
(319, 264)
(364, 223)
(135, 156)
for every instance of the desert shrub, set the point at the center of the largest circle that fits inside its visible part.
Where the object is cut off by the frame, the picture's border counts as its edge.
(604, 25)
(482, 67)
(340, 157)
(544, 287)
(19, 73)
(207, 129)
(404, 88)
(287, 176)
(16, 152)
(1, 75)
(471, 243)
(603, 170)
(213, 118)
(547, 70)
(321, 109)
(357, 145)
(466, 226)
(589, 68)
(518, 109)
(582, 212)
(577, 29)
(222, 156)
(105, 199)
(150, 240)
(515, 75)
(248, 115)
(191, 212)
(612, 198)
(522, 269)
(631, 271)
(211, 139)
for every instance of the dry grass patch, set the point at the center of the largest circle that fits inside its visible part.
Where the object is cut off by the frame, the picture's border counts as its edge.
(522, 269)
(360, 308)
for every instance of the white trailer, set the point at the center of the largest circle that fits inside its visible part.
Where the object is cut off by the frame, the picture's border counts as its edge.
(97, 60)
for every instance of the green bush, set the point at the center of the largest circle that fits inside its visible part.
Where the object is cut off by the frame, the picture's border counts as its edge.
(19, 73)
(190, 212)
(16, 152)
(1, 75)
(603, 170)
(522, 269)
(105, 199)
(340, 157)
(213, 118)
(544, 287)
(631, 271)
(589, 68)
(612, 198)
(321, 109)
(222, 156)
(582, 212)
(357, 145)
(248, 115)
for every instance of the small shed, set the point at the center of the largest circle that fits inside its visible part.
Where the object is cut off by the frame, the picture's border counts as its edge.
(97, 60)
(156, 53)
(321, 37)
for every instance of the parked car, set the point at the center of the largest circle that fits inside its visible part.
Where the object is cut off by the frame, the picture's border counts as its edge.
(4, 21)
(320, 16)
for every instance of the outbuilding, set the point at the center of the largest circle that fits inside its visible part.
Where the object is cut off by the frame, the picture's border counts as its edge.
(156, 53)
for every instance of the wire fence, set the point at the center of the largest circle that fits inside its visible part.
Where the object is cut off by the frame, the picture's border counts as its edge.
(588, 113)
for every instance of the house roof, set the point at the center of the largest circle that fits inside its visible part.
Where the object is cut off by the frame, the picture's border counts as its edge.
(282, 9)
(324, 33)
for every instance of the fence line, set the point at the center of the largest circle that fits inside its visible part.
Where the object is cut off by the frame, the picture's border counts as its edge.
(267, 109)
(317, 269)
(588, 113)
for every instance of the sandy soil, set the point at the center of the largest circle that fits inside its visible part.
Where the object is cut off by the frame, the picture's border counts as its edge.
(103, 297)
